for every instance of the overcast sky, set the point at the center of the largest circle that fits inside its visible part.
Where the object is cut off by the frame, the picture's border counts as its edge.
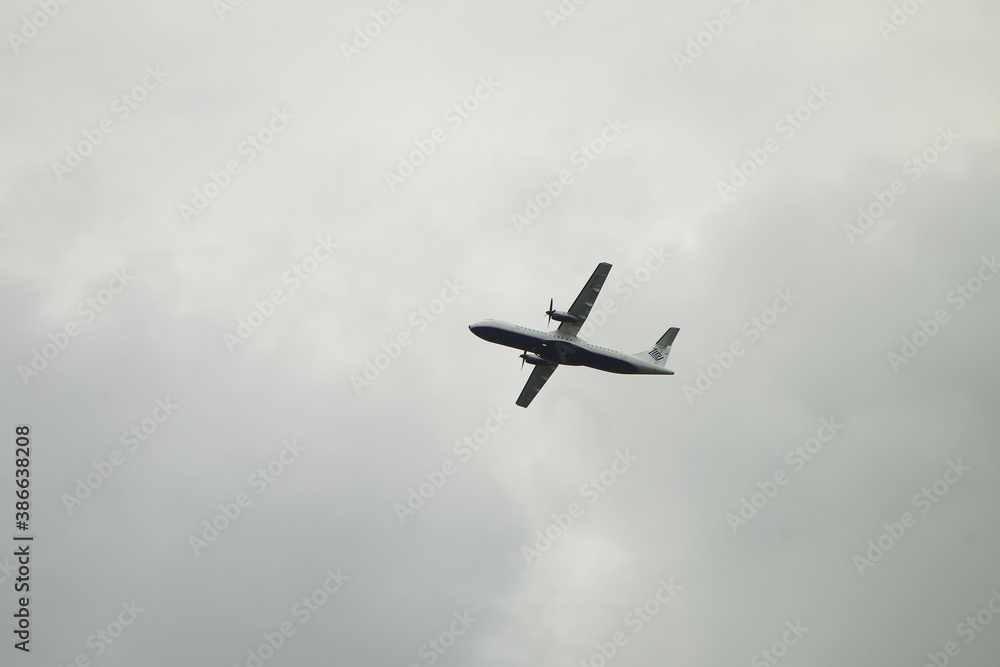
(240, 248)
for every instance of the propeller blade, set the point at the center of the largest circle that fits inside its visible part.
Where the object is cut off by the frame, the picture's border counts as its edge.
(522, 362)
(549, 312)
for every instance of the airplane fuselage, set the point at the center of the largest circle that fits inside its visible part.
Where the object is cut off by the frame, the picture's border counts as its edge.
(560, 348)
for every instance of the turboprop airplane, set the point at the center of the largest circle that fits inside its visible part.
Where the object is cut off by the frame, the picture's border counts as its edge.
(547, 350)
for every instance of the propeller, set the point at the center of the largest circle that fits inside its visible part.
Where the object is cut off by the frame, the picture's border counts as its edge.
(550, 311)
(522, 360)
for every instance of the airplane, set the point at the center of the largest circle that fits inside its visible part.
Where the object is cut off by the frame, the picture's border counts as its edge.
(547, 350)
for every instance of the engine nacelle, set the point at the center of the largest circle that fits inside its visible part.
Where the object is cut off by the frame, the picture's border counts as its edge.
(561, 316)
(534, 359)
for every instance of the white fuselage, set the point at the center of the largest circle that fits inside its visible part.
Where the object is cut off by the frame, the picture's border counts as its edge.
(560, 348)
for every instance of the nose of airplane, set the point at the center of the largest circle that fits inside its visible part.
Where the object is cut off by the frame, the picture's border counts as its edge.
(477, 328)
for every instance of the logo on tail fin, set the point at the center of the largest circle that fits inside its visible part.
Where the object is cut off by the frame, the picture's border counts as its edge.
(656, 354)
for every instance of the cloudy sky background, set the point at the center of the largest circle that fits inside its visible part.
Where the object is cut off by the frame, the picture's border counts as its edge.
(889, 94)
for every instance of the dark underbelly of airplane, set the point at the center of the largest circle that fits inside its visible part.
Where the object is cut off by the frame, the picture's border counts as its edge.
(572, 355)
(513, 339)
(560, 352)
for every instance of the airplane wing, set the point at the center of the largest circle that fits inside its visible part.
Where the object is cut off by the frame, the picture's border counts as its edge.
(586, 300)
(539, 374)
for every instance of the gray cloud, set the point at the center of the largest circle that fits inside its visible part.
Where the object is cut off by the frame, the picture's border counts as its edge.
(317, 567)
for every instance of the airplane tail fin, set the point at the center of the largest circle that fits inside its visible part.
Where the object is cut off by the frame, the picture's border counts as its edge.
(658, 353)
